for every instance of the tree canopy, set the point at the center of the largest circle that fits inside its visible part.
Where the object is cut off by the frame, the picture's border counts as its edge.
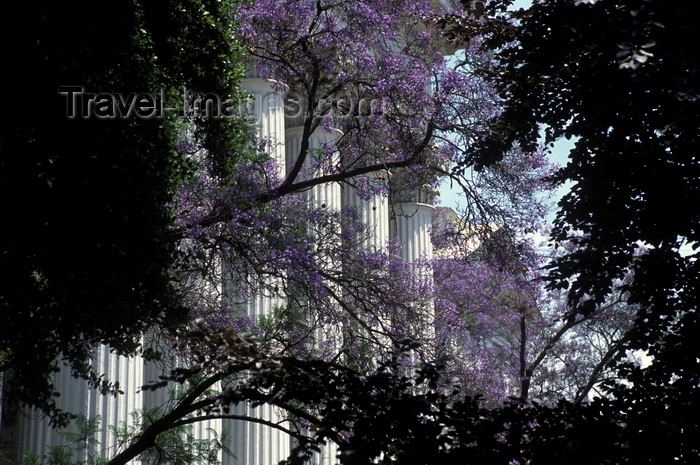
(344, 349)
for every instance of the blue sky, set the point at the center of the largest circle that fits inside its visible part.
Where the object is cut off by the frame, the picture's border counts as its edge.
(451, 197)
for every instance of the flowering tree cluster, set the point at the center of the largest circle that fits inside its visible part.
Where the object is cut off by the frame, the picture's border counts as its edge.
(506, 336)
(503, 334)
(396, 113)
(372, 81)
(376, 74)
(254, 235)
(297, 256)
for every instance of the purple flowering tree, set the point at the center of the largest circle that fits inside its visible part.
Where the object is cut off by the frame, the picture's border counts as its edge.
(503, 334)
(508, 337)
(375, 73)
(373, 78)
(380, 83)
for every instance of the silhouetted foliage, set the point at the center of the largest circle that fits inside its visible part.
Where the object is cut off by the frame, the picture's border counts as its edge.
(87, 241)
(621, 80)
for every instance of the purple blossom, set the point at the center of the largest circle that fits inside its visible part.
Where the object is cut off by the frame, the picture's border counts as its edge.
(397, 105)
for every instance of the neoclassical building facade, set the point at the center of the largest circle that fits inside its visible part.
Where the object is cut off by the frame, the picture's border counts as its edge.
(407, 217)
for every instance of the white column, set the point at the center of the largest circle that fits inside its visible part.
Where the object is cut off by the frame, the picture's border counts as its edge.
(165, 398)
(255, 443)
(33, 431)
(373, 213)
(412, 216)
(265, 300)
(266, 107)
(115, 410)
(411, 223)
(252, 443)
(326, 196)
(249, 442)
(158, 398)
(323, 196)
(36, 435)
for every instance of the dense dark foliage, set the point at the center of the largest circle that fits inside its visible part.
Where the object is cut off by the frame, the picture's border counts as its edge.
(388, 415)
(621, 79)
(87, 247)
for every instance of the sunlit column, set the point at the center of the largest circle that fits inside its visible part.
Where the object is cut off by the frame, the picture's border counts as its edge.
(326, 195)
(329, 197)
(254, 443)
(371, 211)
(320, 160)
(266, 109)
(34, 433)
(160, 401)
(411, 223)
